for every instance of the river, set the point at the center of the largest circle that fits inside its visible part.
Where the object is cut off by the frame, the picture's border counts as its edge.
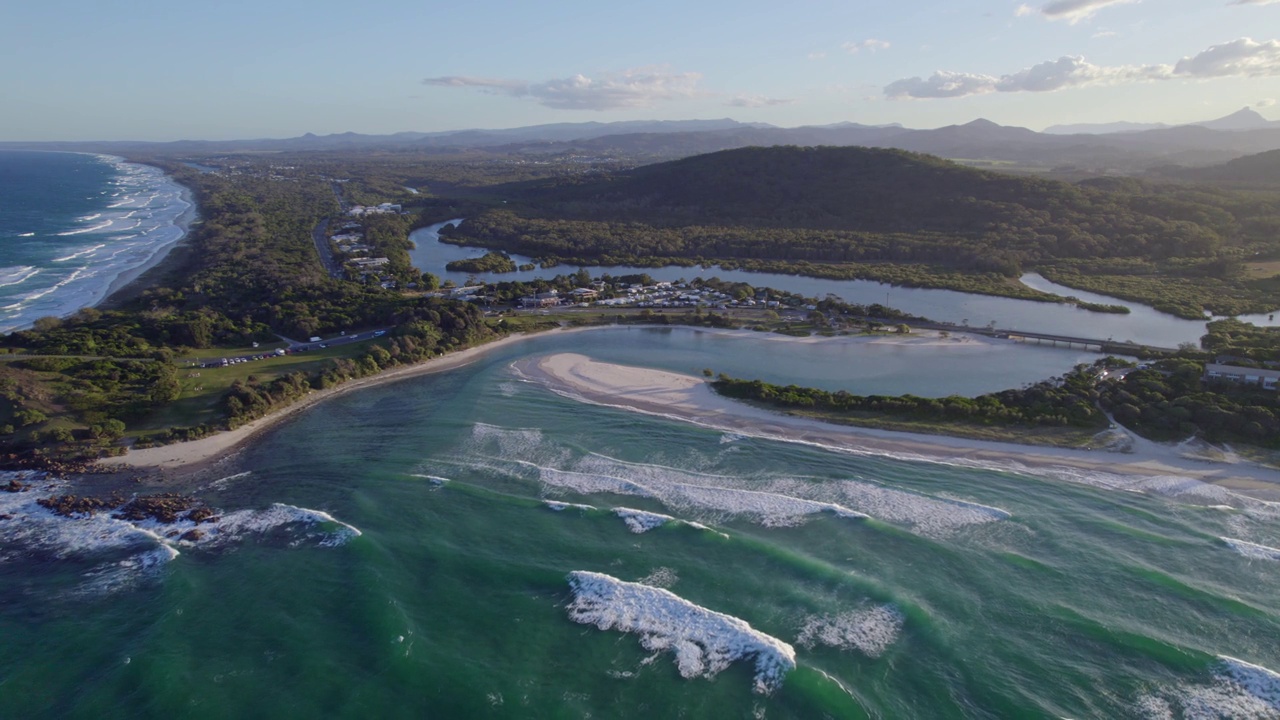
(1142, 325)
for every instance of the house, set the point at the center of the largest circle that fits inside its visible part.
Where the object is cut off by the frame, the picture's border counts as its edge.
(461, 292)
(582, 294)
(1267, 379)
(370, 262)
(541, 300)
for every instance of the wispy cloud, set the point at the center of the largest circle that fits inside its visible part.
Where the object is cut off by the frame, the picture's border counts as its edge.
(1239, 58)
(817, 55)
(1265, 103)
(1073, 11)
(1254, 2)
(870, 45)
(757, 101)
(641, 87)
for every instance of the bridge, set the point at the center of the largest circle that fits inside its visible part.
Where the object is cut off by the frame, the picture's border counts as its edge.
(1118, 347)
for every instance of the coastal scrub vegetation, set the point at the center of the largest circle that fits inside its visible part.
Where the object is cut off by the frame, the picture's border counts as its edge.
(250, 273)
(1069, 401)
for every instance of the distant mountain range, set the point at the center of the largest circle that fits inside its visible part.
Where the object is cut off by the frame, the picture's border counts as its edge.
(1115, 147)
(1243, 119)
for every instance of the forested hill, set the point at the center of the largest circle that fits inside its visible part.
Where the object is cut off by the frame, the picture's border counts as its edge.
(836, 188)
(902, 218)
(1011, 220)
(1261, 170)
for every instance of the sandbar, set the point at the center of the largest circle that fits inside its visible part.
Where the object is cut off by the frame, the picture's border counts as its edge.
(691, 399)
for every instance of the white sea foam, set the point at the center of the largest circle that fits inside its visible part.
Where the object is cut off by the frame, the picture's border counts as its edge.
(870, 631)
(81, 253)
(769, 500)
(14, 275)
(927, 515)
(91, 229)
(641, 521)
(703, 641)
(1253, 551)
(433, 479)
(235, 525)
(662, 577)
(1239, 690)
(28, 528)
(28, 234)
(223, 482)
(562, 506)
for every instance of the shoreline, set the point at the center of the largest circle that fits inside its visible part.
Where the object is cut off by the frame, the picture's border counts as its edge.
(183, 222)
(193, 454)
(690, 399)
(190, 455)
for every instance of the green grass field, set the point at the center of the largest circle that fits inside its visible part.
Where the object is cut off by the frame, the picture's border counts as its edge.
(203, 388)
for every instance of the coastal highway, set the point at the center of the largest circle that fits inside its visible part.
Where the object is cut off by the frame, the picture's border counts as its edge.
(326, 252)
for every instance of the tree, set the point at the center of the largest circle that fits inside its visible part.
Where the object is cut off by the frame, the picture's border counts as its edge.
(429, 282)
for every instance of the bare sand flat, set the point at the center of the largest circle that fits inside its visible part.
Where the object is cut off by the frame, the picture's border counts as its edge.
(691, 399)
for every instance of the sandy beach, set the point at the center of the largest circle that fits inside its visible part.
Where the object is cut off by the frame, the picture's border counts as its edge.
(161, 252)
(183, 455)
(691, 399)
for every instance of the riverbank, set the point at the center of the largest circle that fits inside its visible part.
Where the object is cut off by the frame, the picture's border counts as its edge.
(1150, 467)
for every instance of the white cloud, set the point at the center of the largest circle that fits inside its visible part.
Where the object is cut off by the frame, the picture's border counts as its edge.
(756, 101)
(1265, 103)
(1254, 2)
(870, 45)
(817, 55)
(941, 84)
(629, 89)
(1073, 11)
(1103, 34)
(1238, 58)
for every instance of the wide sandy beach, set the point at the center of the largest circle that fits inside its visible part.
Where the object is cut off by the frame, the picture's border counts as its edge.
(691, 399)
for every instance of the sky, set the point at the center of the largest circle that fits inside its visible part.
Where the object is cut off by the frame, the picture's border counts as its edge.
(236, 69)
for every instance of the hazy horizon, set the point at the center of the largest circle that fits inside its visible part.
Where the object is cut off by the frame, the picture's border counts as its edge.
(159, 72)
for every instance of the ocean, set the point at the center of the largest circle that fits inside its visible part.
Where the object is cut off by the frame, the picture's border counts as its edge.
(472, 544)
(73, 226)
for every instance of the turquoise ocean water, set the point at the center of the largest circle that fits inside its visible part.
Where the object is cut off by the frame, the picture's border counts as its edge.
(466, 544)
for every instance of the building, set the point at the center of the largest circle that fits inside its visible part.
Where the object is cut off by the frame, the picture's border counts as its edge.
(370, 262)
(541, 300)
(1266, 379)
(583, 294)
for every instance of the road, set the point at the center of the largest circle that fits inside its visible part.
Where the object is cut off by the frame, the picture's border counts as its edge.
(320, 236)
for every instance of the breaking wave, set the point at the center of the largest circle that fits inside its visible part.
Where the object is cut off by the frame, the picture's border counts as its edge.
(1238, 690)
(703, 641)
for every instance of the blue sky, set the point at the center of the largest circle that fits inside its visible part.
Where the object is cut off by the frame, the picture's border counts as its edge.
(150, 70)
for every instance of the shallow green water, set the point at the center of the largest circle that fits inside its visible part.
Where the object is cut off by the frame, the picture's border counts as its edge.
(1034, 597)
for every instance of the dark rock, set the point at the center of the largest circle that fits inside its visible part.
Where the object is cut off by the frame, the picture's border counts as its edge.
(192, 535)
(201, 514)
(164, 508)
(14, 486)
(74, 505)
